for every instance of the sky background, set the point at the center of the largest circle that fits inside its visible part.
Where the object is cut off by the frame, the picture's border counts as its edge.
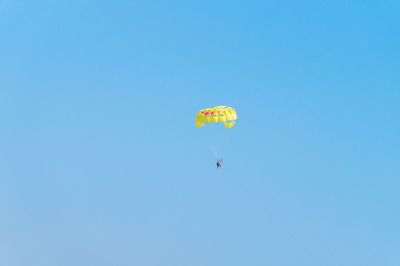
(101, 164)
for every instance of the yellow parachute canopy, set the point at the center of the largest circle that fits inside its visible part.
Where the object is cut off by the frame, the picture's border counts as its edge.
(217, 114)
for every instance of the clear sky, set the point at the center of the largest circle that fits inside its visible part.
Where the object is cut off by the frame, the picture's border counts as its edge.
(101, 164)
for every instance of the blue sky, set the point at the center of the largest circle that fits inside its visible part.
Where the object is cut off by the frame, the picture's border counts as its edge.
(100, 162)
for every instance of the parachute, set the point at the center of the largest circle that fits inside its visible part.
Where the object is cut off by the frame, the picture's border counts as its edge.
(217, 114)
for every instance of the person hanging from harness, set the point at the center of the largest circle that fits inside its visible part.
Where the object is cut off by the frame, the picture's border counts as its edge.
(219, 163)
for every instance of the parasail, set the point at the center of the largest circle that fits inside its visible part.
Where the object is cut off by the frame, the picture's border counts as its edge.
(217, 114)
